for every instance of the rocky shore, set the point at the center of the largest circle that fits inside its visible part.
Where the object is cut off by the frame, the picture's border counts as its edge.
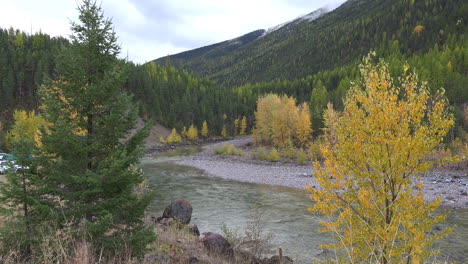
(450, 183)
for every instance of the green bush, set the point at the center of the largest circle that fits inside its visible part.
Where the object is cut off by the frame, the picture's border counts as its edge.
(261, 154)
(301, 157)
(289, 151)
(274, 155)
(227, 149)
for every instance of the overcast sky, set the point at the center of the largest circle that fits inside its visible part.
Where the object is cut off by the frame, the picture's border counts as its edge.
(149, 29)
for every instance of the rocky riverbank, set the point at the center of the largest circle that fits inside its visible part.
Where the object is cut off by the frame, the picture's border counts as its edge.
(451, 184)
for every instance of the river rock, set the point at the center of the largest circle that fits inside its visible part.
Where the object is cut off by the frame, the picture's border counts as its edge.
(193, 229)
(180, 210)
(216, 244)
(276, 260)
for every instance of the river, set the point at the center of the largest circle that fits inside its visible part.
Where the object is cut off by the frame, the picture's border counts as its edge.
(284, 210)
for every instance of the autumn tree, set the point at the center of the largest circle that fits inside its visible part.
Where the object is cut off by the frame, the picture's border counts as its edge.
(224, 132)
(304, 126)
(204, 131)
(284, 125)
(366, 182)
(89, 156)
(192, 133)
(276, 120)
(243, 126)
(174, 137)
(236, 126)
(27, 126)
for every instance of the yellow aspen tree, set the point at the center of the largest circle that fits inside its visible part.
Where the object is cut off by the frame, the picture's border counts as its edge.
(184, 132)
(243, 126)
(204, 130)
(27, 126)
(192, 133)
(304, 126)
(236, 126)
(284, 122)
(224, 132)
(369, 185)
(330, 120)
(174, 137)
(266, 107)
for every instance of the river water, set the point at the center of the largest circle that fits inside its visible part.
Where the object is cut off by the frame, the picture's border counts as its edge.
(217, 201)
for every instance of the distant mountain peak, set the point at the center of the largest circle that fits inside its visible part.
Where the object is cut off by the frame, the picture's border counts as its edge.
(308, 17)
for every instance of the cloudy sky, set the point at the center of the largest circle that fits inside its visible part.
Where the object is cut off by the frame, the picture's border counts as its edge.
(149, 29)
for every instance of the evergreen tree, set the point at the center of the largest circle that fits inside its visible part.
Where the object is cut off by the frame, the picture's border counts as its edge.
(89, 160)
(20, 204)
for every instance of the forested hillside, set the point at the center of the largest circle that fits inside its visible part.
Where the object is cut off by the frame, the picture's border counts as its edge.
(24, 62)
(337, 38)
(312, 60)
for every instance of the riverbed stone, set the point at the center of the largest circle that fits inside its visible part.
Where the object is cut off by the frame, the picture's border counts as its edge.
(193, 229)
(276, 260)
(216, 244)
(180, 210)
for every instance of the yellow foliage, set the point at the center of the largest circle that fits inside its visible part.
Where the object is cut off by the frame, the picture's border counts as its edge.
(174, 137)
(382, 137)
(204, 131)
(224, 132)
(236, 126)
(276, 120)
(184, 132)
(274, 155)
(243, 126)
(192, 133)
(162, 140)
(330, 120)
(304, 126)
(418, 29)
(27, 126)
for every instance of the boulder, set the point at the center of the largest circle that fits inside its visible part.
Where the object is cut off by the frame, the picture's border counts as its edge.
(193, 229)
(180, 210)
(216, 244)
(276, 260)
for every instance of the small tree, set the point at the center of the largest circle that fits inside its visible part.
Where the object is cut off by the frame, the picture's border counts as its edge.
(236, 126)
(20, 194)
(224, 132)
(366, 182)
(243, 126)
(192, 133)
(204, 131)
(174, 137)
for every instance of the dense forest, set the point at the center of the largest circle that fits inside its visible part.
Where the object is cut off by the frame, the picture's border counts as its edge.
(314, 62)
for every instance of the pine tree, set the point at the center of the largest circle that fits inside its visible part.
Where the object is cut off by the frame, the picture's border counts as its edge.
(89, 161)
(20, 203)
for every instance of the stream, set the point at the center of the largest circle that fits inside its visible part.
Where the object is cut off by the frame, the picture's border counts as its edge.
(284, 210)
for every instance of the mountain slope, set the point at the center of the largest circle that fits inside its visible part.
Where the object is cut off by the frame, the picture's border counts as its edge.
(303, 47)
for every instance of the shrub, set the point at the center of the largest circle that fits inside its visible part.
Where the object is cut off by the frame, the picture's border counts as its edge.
(289, 151)
(261, 154)
(254, 239)
(227, 149)
(274, 155)
(301, 157)
(314, 150)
